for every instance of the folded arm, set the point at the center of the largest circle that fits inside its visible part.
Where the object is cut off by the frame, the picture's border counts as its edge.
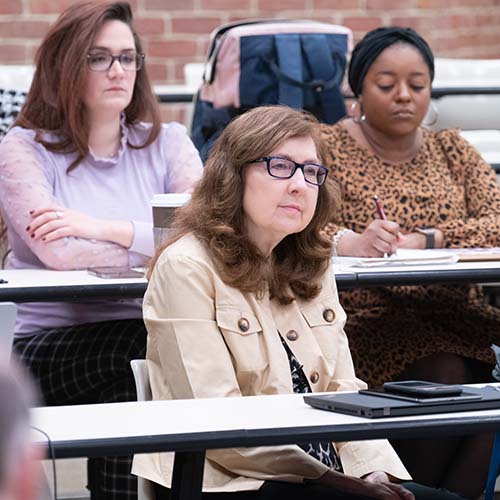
(27, 197)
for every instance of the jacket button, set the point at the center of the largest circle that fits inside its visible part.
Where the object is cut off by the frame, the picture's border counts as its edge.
(314, 377)
(243, 324)
(292, 335)
(329, 315)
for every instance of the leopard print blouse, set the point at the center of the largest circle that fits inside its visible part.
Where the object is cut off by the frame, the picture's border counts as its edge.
(449, 186)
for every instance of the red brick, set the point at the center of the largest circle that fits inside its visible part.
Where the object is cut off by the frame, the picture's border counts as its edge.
(237, 18)
(406, 22)
(49, 6)
(337, 4)
(202, 49)
(149, 26)
(167, 5)
(174, 112)
(197, 25)
(229, 5)
(157, 72)
(362, 23)
(57, 6)
(280, 5)
(323, 19)
(444, 4)
(10, 53)
(488, 20)
(11, 7)
(172, 48)
(389, 4)
(23, 29)
(431, 4)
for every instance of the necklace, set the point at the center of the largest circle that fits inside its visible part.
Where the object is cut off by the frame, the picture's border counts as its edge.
(382, 153)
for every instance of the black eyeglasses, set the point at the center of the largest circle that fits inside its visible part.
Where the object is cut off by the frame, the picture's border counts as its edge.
(284, 168)
(102, 61)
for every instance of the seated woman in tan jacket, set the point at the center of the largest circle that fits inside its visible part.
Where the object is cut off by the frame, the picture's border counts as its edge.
(243, 302)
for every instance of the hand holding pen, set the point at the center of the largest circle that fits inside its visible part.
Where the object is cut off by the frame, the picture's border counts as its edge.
(381, 214)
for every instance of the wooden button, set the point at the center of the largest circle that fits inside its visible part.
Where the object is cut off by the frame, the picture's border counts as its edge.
(329, 315)
(314, 377)
(243, 324)
(292, 335)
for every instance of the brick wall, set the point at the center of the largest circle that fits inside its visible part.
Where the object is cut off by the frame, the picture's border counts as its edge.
(176, 31)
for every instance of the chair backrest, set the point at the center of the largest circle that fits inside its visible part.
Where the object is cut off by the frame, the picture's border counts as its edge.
(8, 312)
(145, 490)
(141, 377)
(468, 112)
(16, 76)
(487, 142)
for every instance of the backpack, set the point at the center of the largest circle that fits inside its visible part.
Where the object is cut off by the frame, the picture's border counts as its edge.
(252, 63)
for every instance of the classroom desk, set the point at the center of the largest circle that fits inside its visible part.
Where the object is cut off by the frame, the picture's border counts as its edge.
(190, 427)
(459, 273)
(44, 285)
(25, 285)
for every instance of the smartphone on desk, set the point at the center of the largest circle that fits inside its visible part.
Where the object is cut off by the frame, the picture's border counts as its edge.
(422, 389)
(115, 272)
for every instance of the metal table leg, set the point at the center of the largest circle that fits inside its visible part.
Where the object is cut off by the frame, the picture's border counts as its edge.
(187, 476)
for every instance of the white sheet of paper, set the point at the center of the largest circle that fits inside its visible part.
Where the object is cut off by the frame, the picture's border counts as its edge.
(404, 257)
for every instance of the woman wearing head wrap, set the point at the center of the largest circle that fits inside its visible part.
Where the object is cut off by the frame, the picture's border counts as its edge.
(437, 192)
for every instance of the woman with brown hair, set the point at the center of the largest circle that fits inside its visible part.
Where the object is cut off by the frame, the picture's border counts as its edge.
(243, 302)
(77, 173)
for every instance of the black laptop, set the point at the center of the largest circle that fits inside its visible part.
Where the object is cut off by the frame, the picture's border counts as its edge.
(382, 405)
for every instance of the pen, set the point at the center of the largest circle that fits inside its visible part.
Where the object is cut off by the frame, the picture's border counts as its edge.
(380, 212)
(379, 208)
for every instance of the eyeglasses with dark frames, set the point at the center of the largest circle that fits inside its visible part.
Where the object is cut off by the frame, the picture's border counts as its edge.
(102, 61)
(284, 168)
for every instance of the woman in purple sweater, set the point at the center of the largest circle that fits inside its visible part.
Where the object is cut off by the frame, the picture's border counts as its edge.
(77, 173)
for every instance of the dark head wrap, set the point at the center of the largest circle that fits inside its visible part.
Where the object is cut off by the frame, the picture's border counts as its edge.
(374, 42)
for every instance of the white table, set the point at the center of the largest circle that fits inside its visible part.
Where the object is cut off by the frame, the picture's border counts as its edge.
(461, 272)
(24, 285)
(190, 427)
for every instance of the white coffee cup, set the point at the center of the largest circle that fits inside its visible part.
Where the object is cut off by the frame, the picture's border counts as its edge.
(164, 207)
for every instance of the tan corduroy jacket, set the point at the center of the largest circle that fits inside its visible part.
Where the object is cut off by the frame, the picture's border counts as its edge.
(207, 339)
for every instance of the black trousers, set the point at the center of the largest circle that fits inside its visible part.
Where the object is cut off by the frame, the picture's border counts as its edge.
(272, 490)
(88, 364)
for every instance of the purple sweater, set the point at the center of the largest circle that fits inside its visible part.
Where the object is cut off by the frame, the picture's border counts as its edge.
(109, 188)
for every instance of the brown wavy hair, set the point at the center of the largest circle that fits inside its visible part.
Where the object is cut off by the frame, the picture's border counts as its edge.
(215, 213)
(55, 100)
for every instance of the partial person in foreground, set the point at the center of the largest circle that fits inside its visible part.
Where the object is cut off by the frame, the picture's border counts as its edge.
(437, 192)
(243, 302)
(20, 467)
(77, 173)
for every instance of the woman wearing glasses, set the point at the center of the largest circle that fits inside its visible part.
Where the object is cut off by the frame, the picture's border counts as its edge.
(243, 302)
(77, 173)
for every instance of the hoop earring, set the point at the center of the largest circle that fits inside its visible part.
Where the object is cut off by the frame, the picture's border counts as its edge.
(432, 116)
(357, 114)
